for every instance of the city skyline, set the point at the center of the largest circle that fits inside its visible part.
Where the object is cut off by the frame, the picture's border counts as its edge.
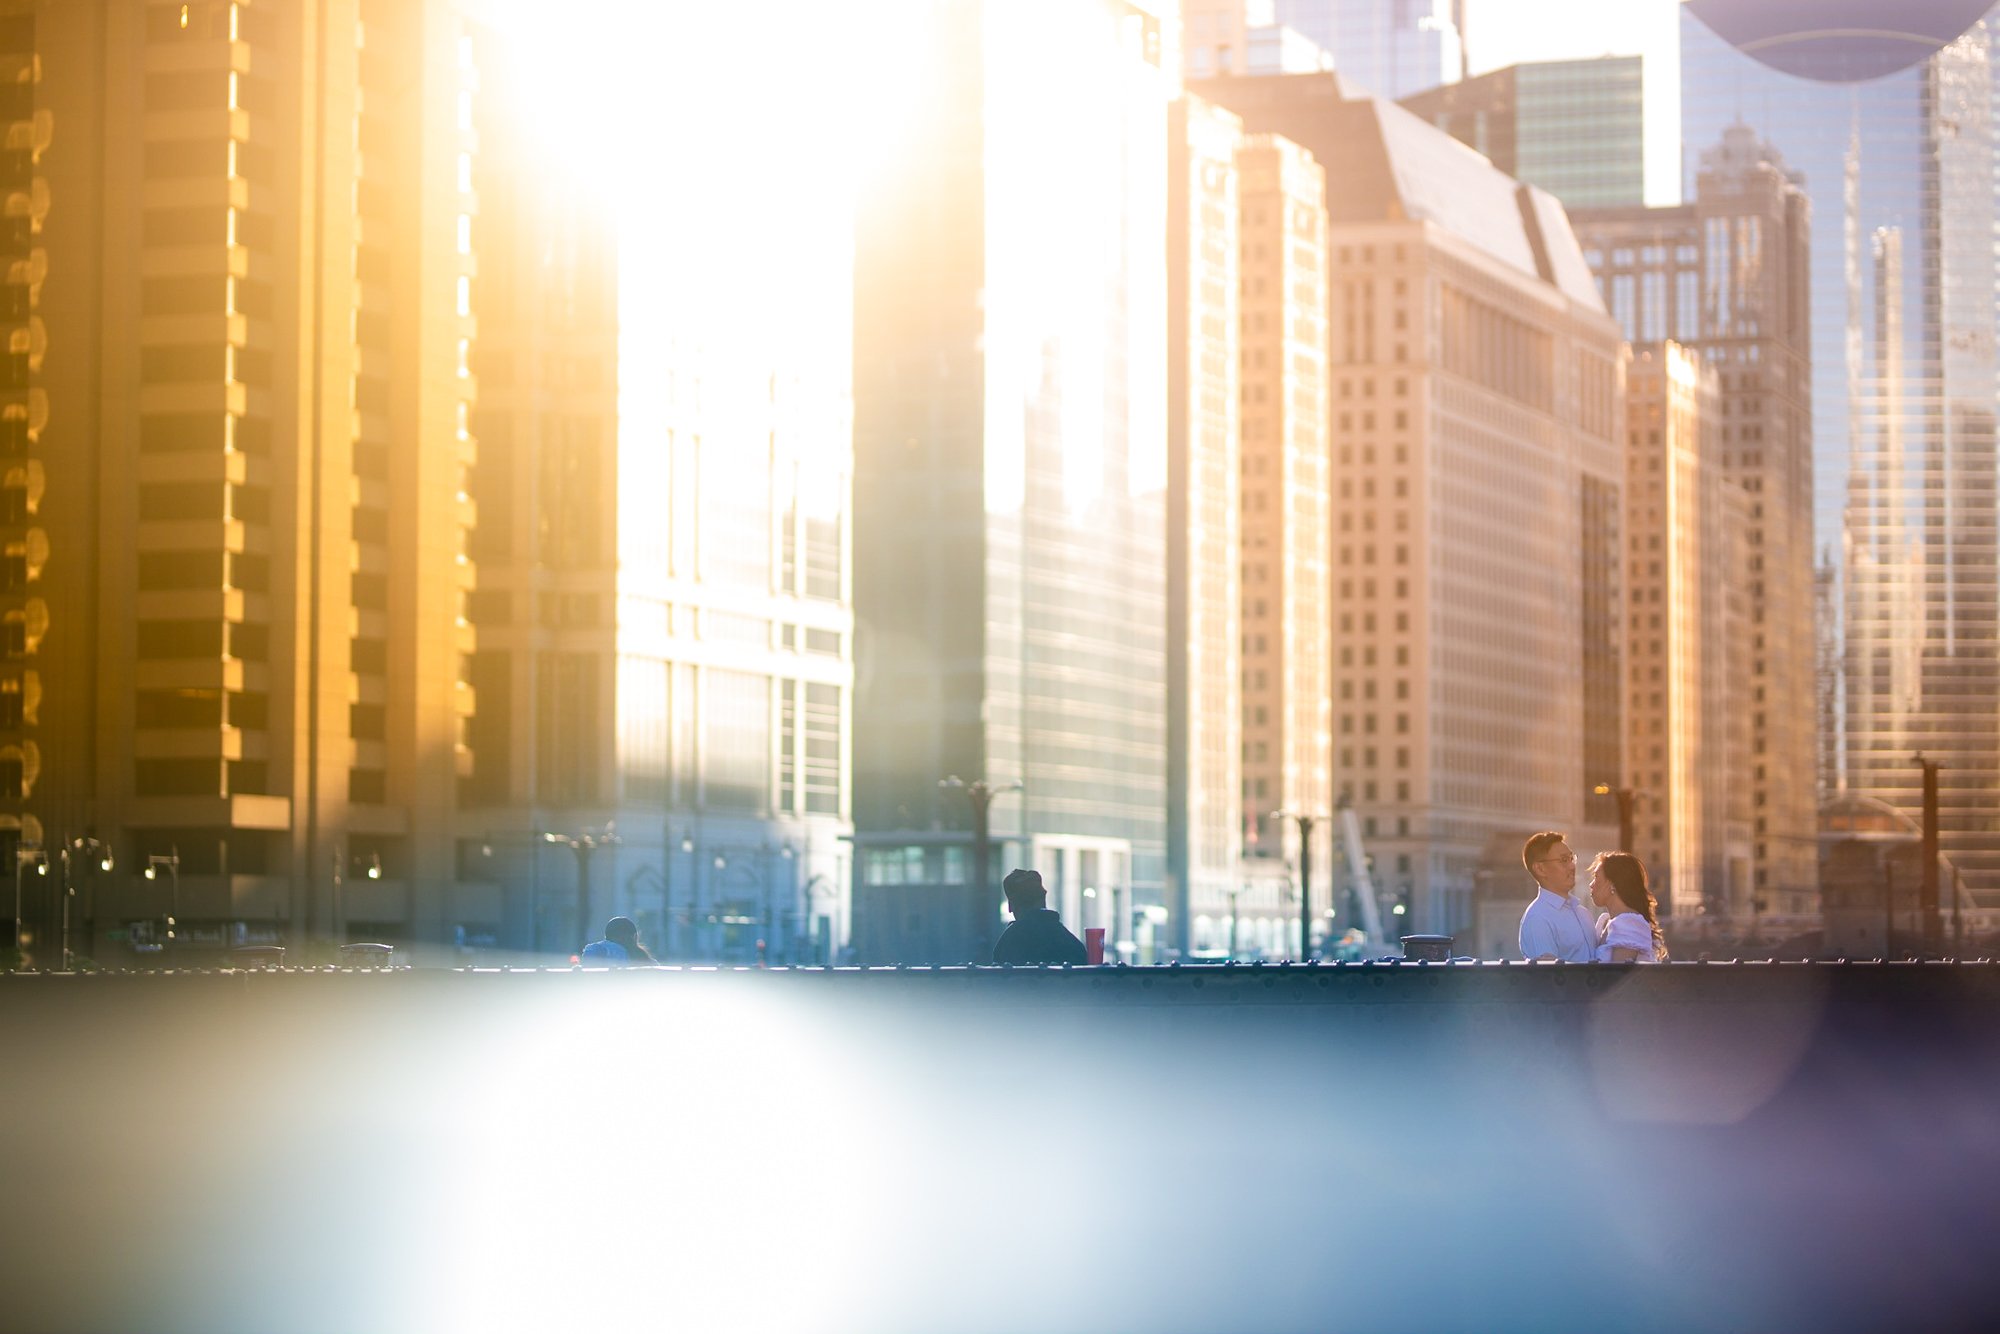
(727, 516)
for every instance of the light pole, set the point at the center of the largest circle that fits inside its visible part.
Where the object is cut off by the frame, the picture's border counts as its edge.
(687, 846)
(1627, 799)
(172, 863)
(1305, 822)
(1233, 893)
(816, 882)
(981, 795)
(768, 945)
(717, 864)
(85, 844)
(1933, 925)
(24, 856)
(583, 845)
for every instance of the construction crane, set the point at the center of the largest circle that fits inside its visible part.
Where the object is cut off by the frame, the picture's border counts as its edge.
(1358, 876)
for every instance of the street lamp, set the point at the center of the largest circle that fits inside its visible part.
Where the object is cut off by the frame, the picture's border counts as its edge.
(1933, 924)
(172, 864)
(1627, 800)
(816, 885)
(583, 845)
(84, 844)
(667, 897)
(981, 795)
(766, 945)
(1305, 822)
(25, 856)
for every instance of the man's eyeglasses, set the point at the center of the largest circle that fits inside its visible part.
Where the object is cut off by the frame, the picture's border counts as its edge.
(1569, 860)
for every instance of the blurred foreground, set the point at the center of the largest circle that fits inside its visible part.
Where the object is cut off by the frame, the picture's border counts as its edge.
(1363, 1147)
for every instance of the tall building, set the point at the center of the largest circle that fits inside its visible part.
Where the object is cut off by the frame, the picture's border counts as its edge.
(1391, 48)
(1242, 37)
(1204, 524)
(1571, 127)
(1679, 706)
(1478, 456)
(237, 422)
(1894, 133)
(1726, 277)
(1287, 584)
(1011, 474)
(666, 633)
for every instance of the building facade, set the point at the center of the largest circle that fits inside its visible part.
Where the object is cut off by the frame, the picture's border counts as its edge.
(1011, 474)
(1572, 127)
(239, 425)
(666, 630)
(1478, 458)
(1727, 276)
(1894, 136)
(1287, 499)
(1679, 701)
(1204, 522)
(1390, 48)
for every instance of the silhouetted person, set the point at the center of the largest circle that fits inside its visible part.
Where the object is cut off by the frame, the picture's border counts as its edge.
(619, 946)
(1036, 935)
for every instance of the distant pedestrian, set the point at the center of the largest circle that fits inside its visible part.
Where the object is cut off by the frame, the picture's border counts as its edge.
(1556, 925)
(620, 946)
(1036, 934)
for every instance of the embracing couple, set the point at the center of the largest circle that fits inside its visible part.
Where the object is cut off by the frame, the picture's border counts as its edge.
(1558, 925)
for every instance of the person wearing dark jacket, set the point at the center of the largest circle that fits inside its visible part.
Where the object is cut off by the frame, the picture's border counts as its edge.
(1036, 934)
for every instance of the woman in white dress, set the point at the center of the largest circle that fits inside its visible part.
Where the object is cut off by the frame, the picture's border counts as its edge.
(1628, 930)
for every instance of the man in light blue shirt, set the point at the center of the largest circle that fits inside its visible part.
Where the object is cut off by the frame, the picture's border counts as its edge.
(1558, 924)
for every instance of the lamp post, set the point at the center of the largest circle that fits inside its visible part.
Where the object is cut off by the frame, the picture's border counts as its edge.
(85, 844)
(816, 883)
(24, 856)
(666, 921)
(1305, 822)
(1627, 799)
(171, 862)
(1933, 925)
(981, 795)
(1233, 893)
(583, 845)
(717, 864)
(768, 945)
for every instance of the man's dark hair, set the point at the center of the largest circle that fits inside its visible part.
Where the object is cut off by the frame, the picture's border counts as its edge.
(1537, 847)
(1024, 884)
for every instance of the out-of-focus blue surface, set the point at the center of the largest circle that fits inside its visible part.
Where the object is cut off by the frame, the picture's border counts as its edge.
(1435, 1147)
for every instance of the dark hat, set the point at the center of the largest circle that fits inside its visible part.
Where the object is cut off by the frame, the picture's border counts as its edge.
(1020, 881)
(622, 930)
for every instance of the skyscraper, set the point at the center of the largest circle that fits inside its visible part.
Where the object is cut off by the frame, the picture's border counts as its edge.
(237, 423)
(1726, 276)
(1287, 495)
(1391, 48)
(1895, 136)
(666, 634)
(1571, 127)
(1204, 525)
(1475, 545)
(1679, 705)
(1011, 472)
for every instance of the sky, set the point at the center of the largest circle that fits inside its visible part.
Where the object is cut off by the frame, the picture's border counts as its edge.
(1507, 32)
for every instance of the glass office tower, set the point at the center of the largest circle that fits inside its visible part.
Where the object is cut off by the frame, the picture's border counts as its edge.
(1893, 135)
(1572, 127)
(1011, 472)
(1388, 47)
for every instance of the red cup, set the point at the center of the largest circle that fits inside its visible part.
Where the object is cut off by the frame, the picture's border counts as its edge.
(1093, 944)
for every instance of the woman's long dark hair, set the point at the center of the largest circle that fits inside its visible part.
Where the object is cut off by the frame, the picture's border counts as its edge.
(623, 932)
(1627, 875)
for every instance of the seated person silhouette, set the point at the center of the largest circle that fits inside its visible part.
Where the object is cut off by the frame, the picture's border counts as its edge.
(1036, 935)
